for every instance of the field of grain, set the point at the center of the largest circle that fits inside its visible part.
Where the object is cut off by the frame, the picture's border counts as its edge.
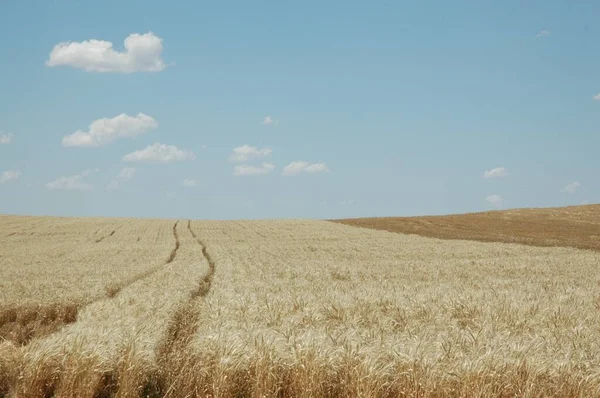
(289, 308)
(52, 267)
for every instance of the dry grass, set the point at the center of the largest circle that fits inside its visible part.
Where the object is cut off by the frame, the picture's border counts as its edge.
(320, 309)
(575, 226)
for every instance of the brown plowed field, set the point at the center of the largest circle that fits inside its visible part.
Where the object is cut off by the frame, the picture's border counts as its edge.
(574, 226)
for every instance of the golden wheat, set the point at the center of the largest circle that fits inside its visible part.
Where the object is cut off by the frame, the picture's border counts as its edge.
(53, 267)
(47, 260)
(307, 308)
(116, 338)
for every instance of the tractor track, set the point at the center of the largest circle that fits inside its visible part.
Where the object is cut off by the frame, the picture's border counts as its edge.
(184, 324)
(207, 280)
(108, 236)
(177, 244)
(182, 327)
(112, 291)
(27, 229)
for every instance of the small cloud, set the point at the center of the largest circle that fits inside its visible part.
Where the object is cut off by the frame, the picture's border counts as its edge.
(543, 33)
(585, 202)
(269, 120)
(188, 182)
(572, 187)
(347, 202)
(125, 175)
(5, 139)
(72, 183)
(9, 175)
(249, 170)
(142, 54)
(596, 97)
(171, 194)
(298, 167)
(495, 200)
(204, 146)
(104, 131)
(245, 153)
(495, 173)
(160, 153)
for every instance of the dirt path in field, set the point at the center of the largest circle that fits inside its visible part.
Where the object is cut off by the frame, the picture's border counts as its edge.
(113, 291)
(177, 244)
(20, 325)
(107, 236)
(183, 327)
(207, 281)
(100, 239)
(575, 226)
(24, 231)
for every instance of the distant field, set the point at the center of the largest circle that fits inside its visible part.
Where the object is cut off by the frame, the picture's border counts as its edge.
(182, 308)
(575, 226)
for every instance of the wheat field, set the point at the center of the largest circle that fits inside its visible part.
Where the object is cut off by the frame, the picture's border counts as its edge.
(180, 308)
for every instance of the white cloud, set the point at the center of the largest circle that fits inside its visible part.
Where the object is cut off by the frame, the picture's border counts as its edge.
(245, 153)
(494, 173)
(104, 131)
(125, 175)
(543, 33)
(596, 97)
(269, 120)
(585, 202)
(171, 194)
(160, 153)
(188, 182)
(9, 175)
(495, 200)
(6, 138)
(72, 183)
(249, 170)
(142, 54)
(347, 202)
(572, 187)
(298, 167)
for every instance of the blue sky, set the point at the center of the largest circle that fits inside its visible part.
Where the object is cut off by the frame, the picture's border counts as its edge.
(375, 108)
